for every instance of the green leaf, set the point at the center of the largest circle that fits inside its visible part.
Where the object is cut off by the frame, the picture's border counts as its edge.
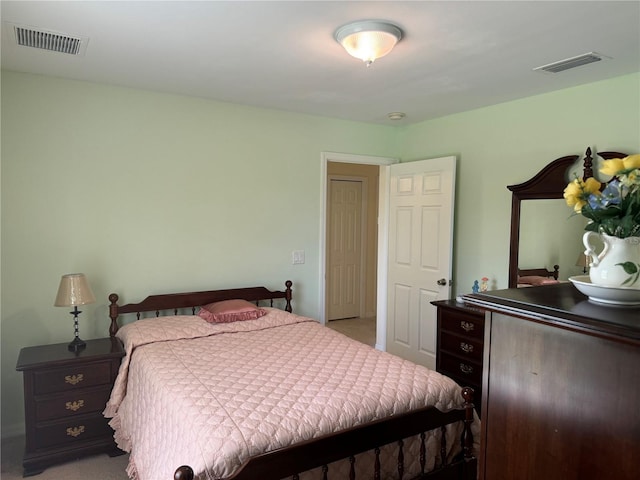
(629, 267)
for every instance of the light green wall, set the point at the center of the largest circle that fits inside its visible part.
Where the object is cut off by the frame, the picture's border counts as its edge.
(507, 144)
(146, 192)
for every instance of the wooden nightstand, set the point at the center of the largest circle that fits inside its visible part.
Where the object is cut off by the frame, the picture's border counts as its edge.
(460, 348)
(64, 396)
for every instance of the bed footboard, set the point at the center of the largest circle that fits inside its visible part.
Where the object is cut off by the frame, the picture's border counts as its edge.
(320, 452)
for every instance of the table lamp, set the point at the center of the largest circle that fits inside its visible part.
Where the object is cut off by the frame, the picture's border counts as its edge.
(583, 261)
(74, 290)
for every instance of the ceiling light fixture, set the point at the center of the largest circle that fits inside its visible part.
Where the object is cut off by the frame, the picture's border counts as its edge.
(368, 39)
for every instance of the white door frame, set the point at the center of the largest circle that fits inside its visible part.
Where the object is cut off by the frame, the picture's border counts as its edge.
(383, 219)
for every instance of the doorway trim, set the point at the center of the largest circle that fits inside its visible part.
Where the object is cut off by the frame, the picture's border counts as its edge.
(326, 157)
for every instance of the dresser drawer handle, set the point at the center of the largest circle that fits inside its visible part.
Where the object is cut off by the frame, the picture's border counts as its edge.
(466, 347)
(467, 326)
(75, 431)
(464, 368)
(75, 406)
(74, 379)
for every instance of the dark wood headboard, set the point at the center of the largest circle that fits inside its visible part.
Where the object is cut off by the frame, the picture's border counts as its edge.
(179, 301)
(540, 272)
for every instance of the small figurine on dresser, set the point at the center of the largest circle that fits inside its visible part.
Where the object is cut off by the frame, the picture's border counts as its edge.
(484, 286)
(476, 287)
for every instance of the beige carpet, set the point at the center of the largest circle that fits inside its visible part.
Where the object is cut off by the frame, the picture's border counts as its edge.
(361, 329)
(96, 467)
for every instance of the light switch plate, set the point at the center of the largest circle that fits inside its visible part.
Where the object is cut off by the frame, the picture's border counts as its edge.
(297, 257)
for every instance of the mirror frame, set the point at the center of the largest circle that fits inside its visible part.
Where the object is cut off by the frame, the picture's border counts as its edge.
(548, 183)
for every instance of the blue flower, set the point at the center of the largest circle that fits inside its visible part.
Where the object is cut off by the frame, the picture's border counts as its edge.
(615, 210)
(611, 195)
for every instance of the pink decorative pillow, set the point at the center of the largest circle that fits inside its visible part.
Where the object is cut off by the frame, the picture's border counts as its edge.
(536, 280)
(230, 311)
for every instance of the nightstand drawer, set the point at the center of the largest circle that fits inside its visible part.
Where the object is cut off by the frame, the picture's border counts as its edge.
(72, 430)
(466, 347)
(65, 393)
(461, 368)
(71, 377)
(463, 324)
(72, 403)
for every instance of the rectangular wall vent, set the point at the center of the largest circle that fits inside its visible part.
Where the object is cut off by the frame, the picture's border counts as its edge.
(54, 42)
(572, 62)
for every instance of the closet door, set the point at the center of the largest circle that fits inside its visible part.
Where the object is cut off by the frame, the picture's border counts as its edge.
(345, 249)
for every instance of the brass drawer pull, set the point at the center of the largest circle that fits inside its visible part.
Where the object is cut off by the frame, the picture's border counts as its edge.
(74, 379)
(467, 326)
(74, 406)
(466, 347)
(75, 431)
(466, 368)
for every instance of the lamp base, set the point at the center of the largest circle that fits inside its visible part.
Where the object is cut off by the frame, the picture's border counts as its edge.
(76, 345)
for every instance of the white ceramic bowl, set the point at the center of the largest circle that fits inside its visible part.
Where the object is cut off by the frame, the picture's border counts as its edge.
(606, 295)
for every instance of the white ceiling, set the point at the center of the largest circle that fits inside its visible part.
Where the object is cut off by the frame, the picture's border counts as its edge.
(456, 55)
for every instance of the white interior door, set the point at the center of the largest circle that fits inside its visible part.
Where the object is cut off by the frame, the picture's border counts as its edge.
(344, 248)
(421, 197)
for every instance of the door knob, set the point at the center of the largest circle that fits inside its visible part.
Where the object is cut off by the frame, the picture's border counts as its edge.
(442, 282)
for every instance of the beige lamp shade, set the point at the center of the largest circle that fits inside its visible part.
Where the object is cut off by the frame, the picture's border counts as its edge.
(74, 290)
(583, 260)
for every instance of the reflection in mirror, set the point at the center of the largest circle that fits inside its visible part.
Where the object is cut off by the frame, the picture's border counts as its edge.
(550, 235)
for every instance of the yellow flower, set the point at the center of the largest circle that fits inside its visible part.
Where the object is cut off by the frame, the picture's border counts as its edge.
(577, 192)
(612, 167)
(632, 161)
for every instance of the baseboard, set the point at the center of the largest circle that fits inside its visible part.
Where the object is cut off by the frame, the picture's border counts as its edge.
(10, 431)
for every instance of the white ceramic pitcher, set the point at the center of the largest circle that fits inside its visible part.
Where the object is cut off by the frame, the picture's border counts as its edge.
(618, 264)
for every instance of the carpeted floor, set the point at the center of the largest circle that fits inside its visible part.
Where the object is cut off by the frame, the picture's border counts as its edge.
(103, 467)
(96, 467)
(361, 329)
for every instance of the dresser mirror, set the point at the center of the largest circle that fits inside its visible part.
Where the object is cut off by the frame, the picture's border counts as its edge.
(545, 236)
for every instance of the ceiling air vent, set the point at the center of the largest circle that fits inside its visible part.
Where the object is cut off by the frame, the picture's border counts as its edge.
(54, 42)
(572, 62)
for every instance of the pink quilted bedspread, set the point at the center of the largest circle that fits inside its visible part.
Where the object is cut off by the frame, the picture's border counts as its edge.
(212, 395)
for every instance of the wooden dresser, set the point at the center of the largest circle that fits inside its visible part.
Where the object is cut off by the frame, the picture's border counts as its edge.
(64, 396)
(561, 386)
(460, 340)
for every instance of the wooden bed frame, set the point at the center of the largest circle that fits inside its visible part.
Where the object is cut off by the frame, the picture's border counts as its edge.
(540, 272)
(320, 452)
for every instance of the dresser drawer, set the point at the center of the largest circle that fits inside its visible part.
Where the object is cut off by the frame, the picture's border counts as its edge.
(463, 324)
(466, 347)
(76, 402)
(461, 368)
(72, 430)
(72, 377)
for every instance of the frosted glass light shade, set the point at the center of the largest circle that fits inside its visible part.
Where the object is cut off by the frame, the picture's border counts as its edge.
(74, 290)
(368, 40)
